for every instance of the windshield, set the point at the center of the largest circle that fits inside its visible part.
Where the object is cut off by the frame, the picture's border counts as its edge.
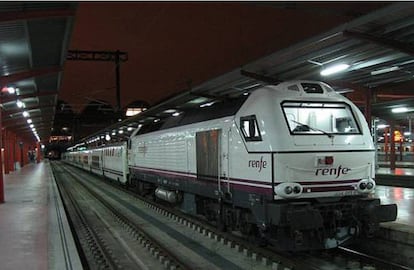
(320, 118)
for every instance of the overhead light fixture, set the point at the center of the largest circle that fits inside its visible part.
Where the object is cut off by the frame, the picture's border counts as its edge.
(381, 126)
(19, 104)
(25, 114)
(29, 121)
(207, 104)
(31, 126)
(134, 111)
(384, 70)
(399, 110)
(107, 137)
(334, 69)
(176, 114)
(11, 90)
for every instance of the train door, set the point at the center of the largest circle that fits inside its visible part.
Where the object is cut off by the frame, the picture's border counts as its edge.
(208, 152)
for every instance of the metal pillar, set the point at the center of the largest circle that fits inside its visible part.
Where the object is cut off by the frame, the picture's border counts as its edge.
(1, 162)
(6, 152)
(392, 146)
(19, 155)
(38, 152)
(12, 145)
(368, 105)
(118, 80)
(112, 56)
(386, 131)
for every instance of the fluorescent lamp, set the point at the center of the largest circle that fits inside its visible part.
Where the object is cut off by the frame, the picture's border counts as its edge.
(334, 69)
(407, 133)
(207, 104)
(11, 90)
(19, 104)
(381, 126)
(399, 110)
(176, 114)
(384, 70)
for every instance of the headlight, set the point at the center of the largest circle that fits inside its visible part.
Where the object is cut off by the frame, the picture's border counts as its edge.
(288, 190)
(366, 185)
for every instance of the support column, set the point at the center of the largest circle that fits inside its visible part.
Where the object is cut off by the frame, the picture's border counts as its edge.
(1, 162)
(38, 152)
(18, 151)
(12, 143)
(6, 151)
(368, 105)
(386, 131)
(392, 143)
(25, 153)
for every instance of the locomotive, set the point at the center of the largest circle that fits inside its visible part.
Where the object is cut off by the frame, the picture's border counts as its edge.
(291, 164)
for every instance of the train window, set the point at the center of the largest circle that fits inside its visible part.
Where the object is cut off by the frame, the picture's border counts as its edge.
(250, 129)
(312, 88)
(320, 118)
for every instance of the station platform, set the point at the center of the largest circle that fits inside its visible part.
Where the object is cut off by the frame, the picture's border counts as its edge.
(34, 231)
(397, 186)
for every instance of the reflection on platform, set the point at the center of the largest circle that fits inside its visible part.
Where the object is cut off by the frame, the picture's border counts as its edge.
(403, 197)
(397, 171)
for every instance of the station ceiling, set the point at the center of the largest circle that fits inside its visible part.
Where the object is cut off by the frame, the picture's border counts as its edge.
(377, 46)
(33, 41)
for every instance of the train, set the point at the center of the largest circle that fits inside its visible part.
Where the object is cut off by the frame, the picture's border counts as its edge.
(291, 165)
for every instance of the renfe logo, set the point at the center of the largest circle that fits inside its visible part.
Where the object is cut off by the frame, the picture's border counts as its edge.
(333, 171)
(260, 164)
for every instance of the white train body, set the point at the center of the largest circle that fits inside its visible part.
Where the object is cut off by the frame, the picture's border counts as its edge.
(293, 163)
(249, 163)
(109, 161)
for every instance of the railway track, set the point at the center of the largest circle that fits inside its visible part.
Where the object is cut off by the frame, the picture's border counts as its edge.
(108, 239)
(192, 244)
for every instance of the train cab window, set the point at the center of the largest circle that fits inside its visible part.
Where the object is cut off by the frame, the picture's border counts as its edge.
(250, 129)
(320, 118)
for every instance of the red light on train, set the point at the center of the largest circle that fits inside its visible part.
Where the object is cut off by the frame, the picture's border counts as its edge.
(329, 160)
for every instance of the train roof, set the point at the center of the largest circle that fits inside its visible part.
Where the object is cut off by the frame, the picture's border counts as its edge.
(216, 110)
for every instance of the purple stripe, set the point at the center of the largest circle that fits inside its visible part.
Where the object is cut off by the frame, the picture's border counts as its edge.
(252, 189)
(193, 176)
(247, 188)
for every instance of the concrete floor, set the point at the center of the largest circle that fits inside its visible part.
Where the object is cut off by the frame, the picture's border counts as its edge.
(33, 224)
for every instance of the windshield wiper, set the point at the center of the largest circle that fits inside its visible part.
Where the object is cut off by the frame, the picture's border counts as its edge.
(330, 135)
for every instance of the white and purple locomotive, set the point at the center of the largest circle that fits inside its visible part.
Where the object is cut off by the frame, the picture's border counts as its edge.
(292, 164)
